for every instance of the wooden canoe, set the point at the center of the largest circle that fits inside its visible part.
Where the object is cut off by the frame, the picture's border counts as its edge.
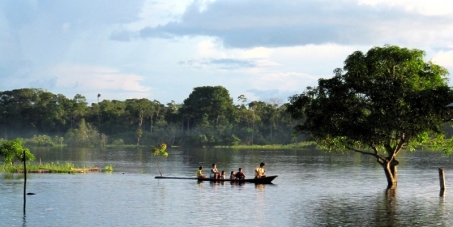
(262, 180)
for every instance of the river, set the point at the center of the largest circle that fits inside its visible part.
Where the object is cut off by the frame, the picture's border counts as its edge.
(313, 188)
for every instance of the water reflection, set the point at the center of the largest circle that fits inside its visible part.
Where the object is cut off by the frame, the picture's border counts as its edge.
(384, 209)
(259, 187)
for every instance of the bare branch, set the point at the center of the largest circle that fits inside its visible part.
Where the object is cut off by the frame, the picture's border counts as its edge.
(364, 152)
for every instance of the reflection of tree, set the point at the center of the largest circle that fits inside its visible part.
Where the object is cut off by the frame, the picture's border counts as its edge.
(200, 155)
(384, 209)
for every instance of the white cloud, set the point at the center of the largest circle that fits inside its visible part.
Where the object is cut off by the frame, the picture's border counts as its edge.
(210, 48)
(444, 58)
(95, 77)
(284, 81)
(91, 80)
(424, 7)
(159, 12)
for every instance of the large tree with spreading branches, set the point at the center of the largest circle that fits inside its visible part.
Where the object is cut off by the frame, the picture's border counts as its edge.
(381, 103)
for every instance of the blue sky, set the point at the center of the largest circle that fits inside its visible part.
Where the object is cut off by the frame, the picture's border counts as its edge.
(160, 50)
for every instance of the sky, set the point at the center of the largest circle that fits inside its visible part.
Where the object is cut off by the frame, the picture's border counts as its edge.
(162, 49)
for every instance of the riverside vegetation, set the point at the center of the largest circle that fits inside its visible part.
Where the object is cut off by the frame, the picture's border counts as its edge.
(12, 152)
(207, 118)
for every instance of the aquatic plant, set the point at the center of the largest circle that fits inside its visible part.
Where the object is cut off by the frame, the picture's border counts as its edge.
(108, 168)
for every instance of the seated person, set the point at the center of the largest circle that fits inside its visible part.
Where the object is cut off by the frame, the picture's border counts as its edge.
(260, 172)
(214, 172)
(232, 176)
(240, 175)
(199, 172)
(223, 175)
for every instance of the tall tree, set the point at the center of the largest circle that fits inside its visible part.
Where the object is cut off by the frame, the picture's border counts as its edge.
(139, 110)
(381, 103)
(112, 114)
(78, 108)
(208, 103)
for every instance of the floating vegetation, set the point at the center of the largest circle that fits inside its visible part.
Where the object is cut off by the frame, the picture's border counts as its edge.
(53, 167)
(108, 168)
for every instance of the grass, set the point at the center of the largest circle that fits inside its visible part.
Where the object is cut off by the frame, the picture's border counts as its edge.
(52, 167)
(301, 145)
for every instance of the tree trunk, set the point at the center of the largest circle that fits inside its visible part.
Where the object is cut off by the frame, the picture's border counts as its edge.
(158, 167)
(391, 173)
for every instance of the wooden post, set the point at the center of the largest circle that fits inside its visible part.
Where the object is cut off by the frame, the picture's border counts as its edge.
(25, 182)
(442, 182)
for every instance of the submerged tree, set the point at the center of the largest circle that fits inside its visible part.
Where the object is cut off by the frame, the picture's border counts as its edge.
(381, 103)
(160, 151)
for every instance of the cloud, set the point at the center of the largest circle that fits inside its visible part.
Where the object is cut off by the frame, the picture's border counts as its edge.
(162, 49)
(90, 80)
(444, 58)
(221, 63)
(95, 77)
(248, 23)
(430, 8)
(279, 96)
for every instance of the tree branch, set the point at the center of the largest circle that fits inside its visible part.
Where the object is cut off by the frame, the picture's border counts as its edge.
(380, 159)
(364, 152)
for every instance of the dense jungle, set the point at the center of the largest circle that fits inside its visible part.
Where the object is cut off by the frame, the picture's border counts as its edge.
(206, 118)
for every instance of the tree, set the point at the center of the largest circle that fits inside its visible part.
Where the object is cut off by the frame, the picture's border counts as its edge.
(13, 149)
(136, 115)
(160, 151)
(78, 108)
(209, 104)
(381, 103)
(85, 135)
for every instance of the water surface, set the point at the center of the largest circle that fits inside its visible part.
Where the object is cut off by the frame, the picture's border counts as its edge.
(313, 189)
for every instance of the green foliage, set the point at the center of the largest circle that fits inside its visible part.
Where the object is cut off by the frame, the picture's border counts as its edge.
(11, 150)
(387, 99)
(40, 141)
(108, 168)
(84, 135)
(208, 111)
(233, 140)
(161, 150)
(301, 145)
(52, 167)
(118, 142)
(207, 106)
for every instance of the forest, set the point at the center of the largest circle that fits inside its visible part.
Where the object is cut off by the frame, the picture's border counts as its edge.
(207, 118)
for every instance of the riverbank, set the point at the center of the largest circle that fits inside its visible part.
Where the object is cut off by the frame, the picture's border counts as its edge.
(301, 145)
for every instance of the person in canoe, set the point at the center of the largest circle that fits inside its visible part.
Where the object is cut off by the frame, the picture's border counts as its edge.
(232, 175)
(214, 172)
(200, 173)
(259, 171)
(240, 175)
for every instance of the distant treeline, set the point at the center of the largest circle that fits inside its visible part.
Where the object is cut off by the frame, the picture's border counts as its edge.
(208, 117)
